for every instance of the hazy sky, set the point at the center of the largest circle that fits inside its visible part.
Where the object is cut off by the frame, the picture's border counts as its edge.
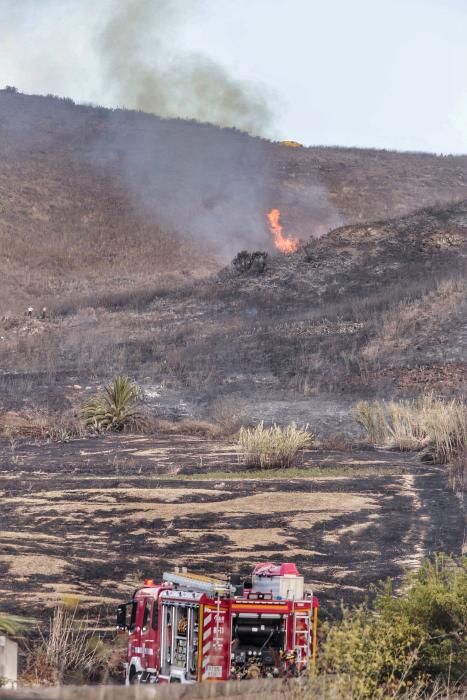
(376, 73)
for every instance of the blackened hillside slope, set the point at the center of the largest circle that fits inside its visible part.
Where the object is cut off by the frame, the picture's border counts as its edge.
(93, 199)
(367, 309)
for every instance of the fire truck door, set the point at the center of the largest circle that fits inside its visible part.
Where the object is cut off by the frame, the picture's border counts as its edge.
(180, 636)
(167, 630)
(193, 640)
(148, 633)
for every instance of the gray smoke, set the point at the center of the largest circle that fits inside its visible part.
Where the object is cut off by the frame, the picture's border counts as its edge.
(145, 73)
(124, 53)
(214, 186)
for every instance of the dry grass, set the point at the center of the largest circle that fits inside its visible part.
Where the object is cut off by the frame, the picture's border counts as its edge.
(69, 648)
(228, 412)
(322, 687)
(415, 313)
(458, 471)
(41, 425)
(334, 687)
(201, 428)
(274, 447)
(437, 426)
(372, 419)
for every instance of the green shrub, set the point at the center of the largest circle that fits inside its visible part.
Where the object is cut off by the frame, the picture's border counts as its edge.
(269, 448)
(415, 639)
(114, 409)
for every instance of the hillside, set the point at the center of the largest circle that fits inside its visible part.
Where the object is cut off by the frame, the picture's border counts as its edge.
(368, 309)
(93, 199)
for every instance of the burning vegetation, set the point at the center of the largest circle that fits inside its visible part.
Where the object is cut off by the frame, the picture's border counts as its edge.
(285, 245)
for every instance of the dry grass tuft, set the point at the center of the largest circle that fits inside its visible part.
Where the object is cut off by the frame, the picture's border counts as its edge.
(372, 419)
(200, 428)
(70, 649)
(434, 425)
(229, 412)
(458, 471)
(275, 447)
(41, 425)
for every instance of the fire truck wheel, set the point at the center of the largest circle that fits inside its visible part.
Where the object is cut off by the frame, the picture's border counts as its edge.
(135, 677)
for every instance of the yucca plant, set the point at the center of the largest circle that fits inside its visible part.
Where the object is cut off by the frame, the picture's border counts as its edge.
(12, 624)
(114, 409)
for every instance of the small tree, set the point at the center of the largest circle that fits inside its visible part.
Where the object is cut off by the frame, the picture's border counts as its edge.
(250, 262)
(114, 409)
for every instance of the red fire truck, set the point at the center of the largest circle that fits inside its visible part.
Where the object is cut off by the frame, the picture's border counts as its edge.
(191, 628)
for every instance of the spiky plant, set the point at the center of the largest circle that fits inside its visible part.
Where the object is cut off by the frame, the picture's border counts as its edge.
(12, 624)
(114, 408)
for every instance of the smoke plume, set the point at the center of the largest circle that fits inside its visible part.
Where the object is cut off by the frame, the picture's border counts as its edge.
(213, 186)
(145, 73)
(124, 54)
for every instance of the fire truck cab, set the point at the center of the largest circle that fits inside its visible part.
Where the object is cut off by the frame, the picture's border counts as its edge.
(193, 628)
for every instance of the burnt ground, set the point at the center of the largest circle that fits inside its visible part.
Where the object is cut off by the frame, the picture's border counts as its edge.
(92, 517)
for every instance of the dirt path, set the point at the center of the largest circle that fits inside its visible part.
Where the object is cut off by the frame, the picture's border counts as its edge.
(91, 517)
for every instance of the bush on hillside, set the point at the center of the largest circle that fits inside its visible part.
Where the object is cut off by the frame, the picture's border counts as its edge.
(115, 408)
(250, 262)
(415, 639)
(274, 447)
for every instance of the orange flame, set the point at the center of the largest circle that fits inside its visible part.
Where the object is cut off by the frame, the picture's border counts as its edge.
(285, 245)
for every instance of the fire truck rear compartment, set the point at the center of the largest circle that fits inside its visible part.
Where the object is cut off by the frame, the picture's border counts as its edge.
(261, 637)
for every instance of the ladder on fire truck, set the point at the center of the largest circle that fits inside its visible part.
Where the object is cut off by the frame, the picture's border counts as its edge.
(302, 635)
(198, 582)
